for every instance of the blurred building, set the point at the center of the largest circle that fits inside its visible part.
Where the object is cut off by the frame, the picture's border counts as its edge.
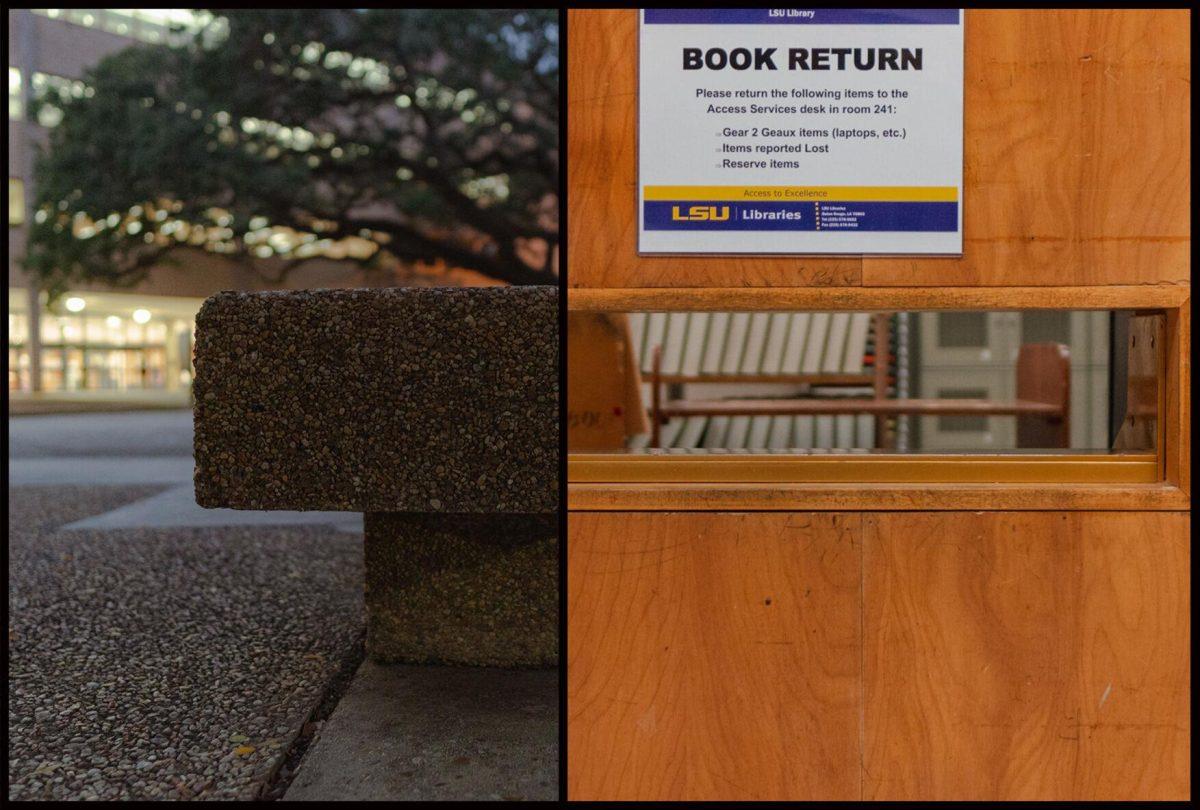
(97, 339)
(92, 340)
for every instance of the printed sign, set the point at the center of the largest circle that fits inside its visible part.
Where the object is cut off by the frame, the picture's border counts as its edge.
(800, 131)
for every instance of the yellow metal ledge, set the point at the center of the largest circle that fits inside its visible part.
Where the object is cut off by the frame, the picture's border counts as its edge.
(594, 468)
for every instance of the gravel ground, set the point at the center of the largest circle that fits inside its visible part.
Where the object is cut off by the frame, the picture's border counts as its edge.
(166, 663)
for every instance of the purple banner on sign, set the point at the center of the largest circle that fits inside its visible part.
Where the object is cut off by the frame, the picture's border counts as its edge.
(802, 16)
(691, 215)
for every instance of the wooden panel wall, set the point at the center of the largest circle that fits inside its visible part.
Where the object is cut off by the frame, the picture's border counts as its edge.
(713, 656)
(1026, 655)
(1076, 150)
(980, 655)
(950, 654)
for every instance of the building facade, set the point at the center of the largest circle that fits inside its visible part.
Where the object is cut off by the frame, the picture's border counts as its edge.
(96, 339)
(92, 340)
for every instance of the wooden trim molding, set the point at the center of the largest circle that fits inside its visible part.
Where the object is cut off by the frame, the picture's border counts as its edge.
(1176, 394)
(1081, 482)
(759, 299)
(752, 497)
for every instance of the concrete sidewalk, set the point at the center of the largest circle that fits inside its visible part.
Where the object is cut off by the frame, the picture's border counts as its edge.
(148, 433)
(404, 733)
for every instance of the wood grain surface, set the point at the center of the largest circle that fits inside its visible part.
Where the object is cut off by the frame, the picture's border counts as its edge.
(1142, 425)
(888, 299)
(980, 656)
(1026, 655)
(1076, 151)
(1177, 435)
(719, 497)
(1076, 160)
(713, 656)
(946, 641)
(604, 404)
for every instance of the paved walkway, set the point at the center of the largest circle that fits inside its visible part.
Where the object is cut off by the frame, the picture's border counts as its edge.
(409, 733)
(146, 433)
(158, 650)
(148, 448)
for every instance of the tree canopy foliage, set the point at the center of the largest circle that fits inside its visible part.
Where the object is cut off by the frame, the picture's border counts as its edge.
(284, 135)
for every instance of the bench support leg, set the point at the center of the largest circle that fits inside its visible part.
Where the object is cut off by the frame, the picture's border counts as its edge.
(462, 589)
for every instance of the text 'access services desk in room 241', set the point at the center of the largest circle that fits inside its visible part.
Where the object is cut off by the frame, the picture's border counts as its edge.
(828, 131)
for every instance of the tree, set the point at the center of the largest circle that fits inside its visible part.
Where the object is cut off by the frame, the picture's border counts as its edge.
(372, 135)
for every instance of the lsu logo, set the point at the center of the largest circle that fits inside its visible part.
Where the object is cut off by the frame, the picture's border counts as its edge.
(701, 213)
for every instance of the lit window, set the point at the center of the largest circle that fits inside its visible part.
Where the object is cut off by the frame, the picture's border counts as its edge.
(18, 328)
(81, 17)
(16, 201)
(163, 16)
(16, 105)
(113, 20)
(52, 92)
(147, 24)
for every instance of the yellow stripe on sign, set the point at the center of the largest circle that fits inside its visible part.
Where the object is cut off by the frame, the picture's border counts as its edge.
(804, 193)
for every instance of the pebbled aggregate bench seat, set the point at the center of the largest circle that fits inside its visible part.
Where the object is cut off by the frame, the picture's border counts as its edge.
(432, 410)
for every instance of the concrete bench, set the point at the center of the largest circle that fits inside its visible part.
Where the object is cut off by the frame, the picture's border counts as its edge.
(432, 410)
